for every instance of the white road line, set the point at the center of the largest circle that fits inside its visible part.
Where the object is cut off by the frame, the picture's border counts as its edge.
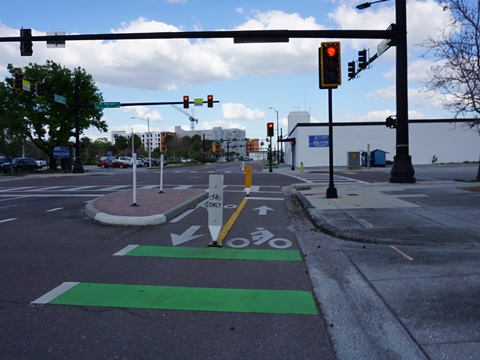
(188, 212)
(183, 187)
(49, 195)
(79, 188)
(45, 188)
(265, 198)
(7, 220)
(125, 250)
(112, 188)
(53, 294)
(54, 209)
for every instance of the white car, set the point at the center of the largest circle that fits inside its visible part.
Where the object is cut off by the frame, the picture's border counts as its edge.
(41, 163)
(126, 159)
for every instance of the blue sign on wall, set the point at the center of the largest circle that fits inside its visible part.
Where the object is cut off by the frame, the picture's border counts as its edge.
(318, 141)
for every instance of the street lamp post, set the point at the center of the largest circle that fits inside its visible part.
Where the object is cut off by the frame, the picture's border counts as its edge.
(402, 169)
(278, 137)
(148, 138)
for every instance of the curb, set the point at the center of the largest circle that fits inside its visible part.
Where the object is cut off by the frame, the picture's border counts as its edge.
(157, 219)
(334, 231)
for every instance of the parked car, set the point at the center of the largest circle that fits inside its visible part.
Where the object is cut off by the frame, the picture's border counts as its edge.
(115, 163)
(126, 159)
(41, 163)
(20, 165)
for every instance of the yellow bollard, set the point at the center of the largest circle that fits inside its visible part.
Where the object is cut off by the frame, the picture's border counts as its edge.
(248, 179)
(301, 166)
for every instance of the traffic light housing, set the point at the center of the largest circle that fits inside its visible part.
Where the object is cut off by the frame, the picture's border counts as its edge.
(39, 89)
(390, 122)
(330, 65)
(292, 142)
(210, 101)
(270, 129)
(362, 59)
(186, 101)
(17, 81)
(351, 70)
(26, 46)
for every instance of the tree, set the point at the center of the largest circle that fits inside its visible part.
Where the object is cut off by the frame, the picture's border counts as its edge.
(44, 121)
(456, 73)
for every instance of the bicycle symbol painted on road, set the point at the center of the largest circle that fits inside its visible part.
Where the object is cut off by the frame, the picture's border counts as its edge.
(259, 237)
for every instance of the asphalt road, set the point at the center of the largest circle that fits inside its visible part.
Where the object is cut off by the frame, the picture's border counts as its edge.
(47, 242)
(392, 302)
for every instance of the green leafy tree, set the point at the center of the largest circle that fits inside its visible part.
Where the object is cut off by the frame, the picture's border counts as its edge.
(42, 120)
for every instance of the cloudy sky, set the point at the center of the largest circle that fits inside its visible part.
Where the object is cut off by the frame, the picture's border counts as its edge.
(247, 79)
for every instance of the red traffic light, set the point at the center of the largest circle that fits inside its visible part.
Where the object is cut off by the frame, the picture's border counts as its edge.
(186, 102)
(270, 129)
(331, 51)
(210, 100)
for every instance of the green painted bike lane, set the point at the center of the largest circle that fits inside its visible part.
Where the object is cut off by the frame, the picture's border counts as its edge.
(188, 298)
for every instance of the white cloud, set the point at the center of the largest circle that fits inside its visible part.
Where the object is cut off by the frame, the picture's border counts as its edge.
(168, 64)
(241, 112)
(144, 112)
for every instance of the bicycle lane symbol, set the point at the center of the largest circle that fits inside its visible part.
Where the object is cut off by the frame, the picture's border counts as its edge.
(260, 236)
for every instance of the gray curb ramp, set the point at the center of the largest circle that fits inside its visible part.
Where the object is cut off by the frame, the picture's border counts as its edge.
(156, 219)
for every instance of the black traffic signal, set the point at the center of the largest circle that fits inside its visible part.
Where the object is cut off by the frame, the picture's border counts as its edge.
(351, 70)
(186, 101)
(39, 89)
(390, 122)
(330, 64)
(292, 142)
(26, 46)
(270, 129)
(210, 100)
(362, 59)
(17, 81)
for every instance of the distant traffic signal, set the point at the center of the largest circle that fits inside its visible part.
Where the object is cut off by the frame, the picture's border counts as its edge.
(210, 100)
(186, 101)
(351, 69)
(26, 46)
(292, 142)
(17, 81)
(39, 89)
(330, 64)
(362, 59)
(270, 129)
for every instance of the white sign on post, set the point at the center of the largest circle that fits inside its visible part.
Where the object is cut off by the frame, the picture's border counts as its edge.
(215, 207)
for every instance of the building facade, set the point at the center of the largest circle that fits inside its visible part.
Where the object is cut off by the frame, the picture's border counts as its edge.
(308, 143)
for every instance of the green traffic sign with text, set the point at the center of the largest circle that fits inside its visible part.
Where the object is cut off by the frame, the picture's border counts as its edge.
(103, 105)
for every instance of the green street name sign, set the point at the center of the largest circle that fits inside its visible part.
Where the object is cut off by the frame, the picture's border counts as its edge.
(103, 105)
(60, 99)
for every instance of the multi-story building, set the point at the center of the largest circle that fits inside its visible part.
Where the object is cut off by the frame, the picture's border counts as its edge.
(231, 140)
(224, 140)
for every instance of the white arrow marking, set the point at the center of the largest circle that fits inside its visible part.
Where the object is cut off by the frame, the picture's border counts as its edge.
(186, 236)
(262, 210)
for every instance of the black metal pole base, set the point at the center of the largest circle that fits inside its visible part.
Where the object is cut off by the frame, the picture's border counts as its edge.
(77, 167)
(402, 170)
(332, 193)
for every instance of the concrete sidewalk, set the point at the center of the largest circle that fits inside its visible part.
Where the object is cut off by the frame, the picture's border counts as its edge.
(423, 213)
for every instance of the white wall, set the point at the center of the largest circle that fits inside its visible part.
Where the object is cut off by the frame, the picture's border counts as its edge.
(449, 143)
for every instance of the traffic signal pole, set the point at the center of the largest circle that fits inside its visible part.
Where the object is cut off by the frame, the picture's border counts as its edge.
(331, 191)
(402, 169)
